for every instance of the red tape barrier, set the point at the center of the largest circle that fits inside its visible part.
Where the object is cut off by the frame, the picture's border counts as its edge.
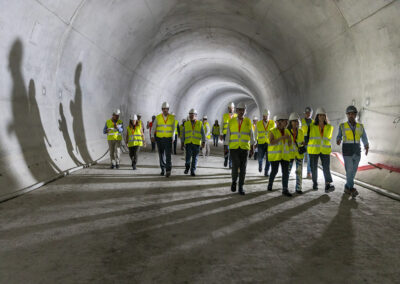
(368, 167)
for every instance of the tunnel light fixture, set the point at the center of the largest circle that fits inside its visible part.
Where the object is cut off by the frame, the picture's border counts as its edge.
(43, 90)
(367, 101)
(353, 102)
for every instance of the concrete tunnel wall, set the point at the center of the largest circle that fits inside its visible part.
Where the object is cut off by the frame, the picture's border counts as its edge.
(65, 65)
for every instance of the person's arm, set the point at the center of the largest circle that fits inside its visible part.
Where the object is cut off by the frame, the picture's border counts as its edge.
(120, 127)
(183, 135)
(203, 135)
(364, 139)
(173, 130)
(227, 137)
(153, 128)
(127, 138)
(105, 129)
(339, 135)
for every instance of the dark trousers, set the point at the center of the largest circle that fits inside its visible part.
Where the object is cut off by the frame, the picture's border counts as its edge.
(164, 146)
(325, 161)
(133, 154)
(285, 173)
(215, 138)
(192, 153)
(228, 156)
(175, 143)
(263, 151)
(153, 146)
(239, 161)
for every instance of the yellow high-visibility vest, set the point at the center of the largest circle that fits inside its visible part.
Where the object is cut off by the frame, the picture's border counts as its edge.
(165, 127)
(263, 131)
(205, 129)
(193, 134)
(348, 135)
(113, 133)
(280, 151)
(176, 127)
(240, 138)
(304, 125)
(135, 136)
(215, 130)
(320, 144)
(294, 151)
(181, 130)
(225, 120)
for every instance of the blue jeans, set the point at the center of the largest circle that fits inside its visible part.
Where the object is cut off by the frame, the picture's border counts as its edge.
(299, 172)
(228, 156)
(326, 162)
(263, 151)
(164, 146)
(216, 137)
(351, 166)
(192, 152)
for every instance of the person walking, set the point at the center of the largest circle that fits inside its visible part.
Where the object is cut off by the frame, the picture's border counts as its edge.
(193, 136)
(255, 121)
(177, 134)
(263, 129)
(207, 130)
(351, 133)
(150, 126)
(114, 128)
(305, 123)
(297, 150)
(279, 153)
(225, 119)
(240, 139)
(163, 132)
(134, 139)
(319, 147)
(215, 133)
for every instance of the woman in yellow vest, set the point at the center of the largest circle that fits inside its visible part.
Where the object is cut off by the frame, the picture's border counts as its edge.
(134, 139)
(114, 129)
(279, 153)
(319, 146)
(240, 139)
(215, 133)
(225, 121)
(193, 136)
(263, 128)
(296, 151)
(352, 133)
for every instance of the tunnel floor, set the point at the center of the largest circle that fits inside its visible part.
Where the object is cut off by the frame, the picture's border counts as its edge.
(119, 226)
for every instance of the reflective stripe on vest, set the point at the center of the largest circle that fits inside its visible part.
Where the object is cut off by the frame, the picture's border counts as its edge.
(348, 134)
(135, 136)
(193, 135)
(205, 129)
(225, 121)
(164, 129)
(113, 133)
(280, 151)
(240, 139)
(318, 144)
(294, 151)
(263, 131)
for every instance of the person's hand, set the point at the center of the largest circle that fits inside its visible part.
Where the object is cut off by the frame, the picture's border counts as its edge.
(251, 152)
(366, 150)
(203, 144)
(153, 139)
(338, 141)
(226, 150)
(221, 137)
(182, 147)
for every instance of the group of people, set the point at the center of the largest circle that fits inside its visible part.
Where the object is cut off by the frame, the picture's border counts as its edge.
(282, 142)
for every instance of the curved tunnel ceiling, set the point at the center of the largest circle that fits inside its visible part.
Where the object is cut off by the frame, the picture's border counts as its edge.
(67, 64)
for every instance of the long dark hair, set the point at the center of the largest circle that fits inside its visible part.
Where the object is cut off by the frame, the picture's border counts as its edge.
(216, 123)
(289, 127)
(131, 123)
(316, 121)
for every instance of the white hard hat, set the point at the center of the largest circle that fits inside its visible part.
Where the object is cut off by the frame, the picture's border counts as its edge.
(266, 112)
(192, 111)
(281, 117)
(255, 118)
(117, 111)
(294, 116)
(165, 105)
(231, 104)
(205, 117)
(320, 110)
(241, 106)
(133, 117)
(275, 117)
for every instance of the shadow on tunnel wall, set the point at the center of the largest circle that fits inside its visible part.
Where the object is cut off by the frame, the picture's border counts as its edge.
(27, 123)
(62, 126)
(77, 116)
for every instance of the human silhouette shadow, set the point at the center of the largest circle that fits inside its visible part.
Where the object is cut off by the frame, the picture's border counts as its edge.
(27, 123)
(62, 126)
(77, 119)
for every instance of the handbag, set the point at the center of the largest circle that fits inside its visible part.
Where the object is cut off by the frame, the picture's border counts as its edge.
(301, 149)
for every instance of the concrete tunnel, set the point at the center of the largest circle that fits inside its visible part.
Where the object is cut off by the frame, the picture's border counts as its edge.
(65, 65)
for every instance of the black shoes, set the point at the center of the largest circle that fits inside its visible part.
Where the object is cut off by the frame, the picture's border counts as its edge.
(186, 171)
(233, 187)
(226, 163)
(112, 166)
(347, 190)
(269, 188)
(354, 192)
(241, 191)
(266, 174)
(259, 169)
(134, 167)
(329, 188)
(286, 193)
(117, 166)
(162, 173)
(315, 186)
(168, 174)
(192, 174)
(299, 192)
